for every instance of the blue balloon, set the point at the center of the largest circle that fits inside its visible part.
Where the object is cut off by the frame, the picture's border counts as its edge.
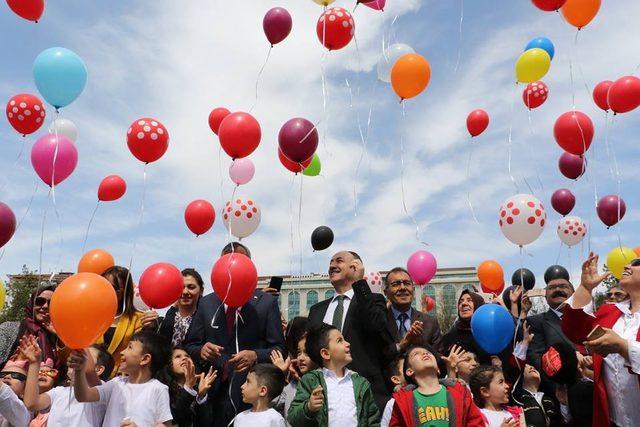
(542, 43)
(492, 328)
(60, 76)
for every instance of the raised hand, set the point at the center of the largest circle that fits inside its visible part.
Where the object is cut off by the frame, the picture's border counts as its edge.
(527, 335)
(77, 360)
(314, 404)
(453, 359)
(206, 381)
(414, 335)
(514, 294)
(590, 277)
(280, 362)
(189, 371)
(149, 319)
(29, 349)
(526, 305)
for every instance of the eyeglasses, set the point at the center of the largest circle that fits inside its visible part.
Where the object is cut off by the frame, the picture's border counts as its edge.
(41, 301)
(52, 373)
(398, 283)
(615, 295)
(558, 286)
(15, 375)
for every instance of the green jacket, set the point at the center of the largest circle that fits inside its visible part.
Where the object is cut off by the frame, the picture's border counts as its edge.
(299, 416)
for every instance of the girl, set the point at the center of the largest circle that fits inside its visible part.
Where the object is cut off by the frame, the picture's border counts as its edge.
(491, 394)
(46, 381)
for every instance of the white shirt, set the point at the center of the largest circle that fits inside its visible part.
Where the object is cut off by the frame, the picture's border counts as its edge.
(341, 399)
(268, 418)
(145, 404)
(12, 410)
(495, 418)
(386, 414)
(66, 411)
(538, 395)
(328, 317)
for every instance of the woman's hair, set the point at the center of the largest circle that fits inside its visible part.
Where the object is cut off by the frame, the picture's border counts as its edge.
(295, 330)
(193, 273)
(481, 377)
(121, 279)
(167, 376)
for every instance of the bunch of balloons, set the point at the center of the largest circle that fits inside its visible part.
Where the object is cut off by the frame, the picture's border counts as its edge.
(534, 63)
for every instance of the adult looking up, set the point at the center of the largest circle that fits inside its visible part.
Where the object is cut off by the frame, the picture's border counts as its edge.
(616, 294)
(176, 323)
(236, 247)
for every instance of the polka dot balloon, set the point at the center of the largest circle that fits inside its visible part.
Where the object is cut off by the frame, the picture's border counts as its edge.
(522, 218)
(25, 113)
(571, 230)
(147, 139)
(374, 280)
(241, 216)
(335, 28)
(535, 94)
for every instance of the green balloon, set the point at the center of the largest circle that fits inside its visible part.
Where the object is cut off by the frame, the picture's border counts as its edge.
(314, 167)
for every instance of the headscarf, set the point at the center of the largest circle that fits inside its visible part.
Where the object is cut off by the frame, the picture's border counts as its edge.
(465, 324)
(30, 326)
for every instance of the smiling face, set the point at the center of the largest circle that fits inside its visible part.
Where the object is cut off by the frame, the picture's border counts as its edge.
(305, 364)
(630, 278)
(498, 391)
(133, 357)
(399, 290)
(41, 306)
(465, 307)
(339, 267)
(338, 350)
(557, 292)
(191, 292)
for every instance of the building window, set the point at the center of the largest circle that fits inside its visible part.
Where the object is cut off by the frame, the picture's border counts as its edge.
(430, 291)
(329, 294)
(449, 299)
(312, 298)
(294, 305)
(468, 287)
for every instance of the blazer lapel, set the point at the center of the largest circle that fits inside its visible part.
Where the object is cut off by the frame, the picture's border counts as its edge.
(392, 325)
(346, 324)
(554, 323)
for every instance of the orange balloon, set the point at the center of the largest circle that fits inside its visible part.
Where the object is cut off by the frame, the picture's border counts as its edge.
(410, 75)
(82, 308)
(95, 261)
(491, 275)
(580, 12)
(637, 250)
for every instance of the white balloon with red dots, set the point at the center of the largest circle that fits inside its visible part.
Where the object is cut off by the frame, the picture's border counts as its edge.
(571, 230)
(522, 219)
(374, 280)
(241, 216)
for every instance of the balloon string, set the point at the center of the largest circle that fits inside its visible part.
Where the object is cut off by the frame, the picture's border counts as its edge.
(573, 91)
(53, 196)
(24, 215)
(255, 102)
(584, 81)
(509, 142)
(473, 214)
(14, 164)
(455, 70)
(86, 234)
(300, 227)
(559, 251)
(392, 31)
(606, 143)
(325, 95)
(220, 172)
(44, 218)
(619, 185)
(291, 195)
(135, 237)
(531, 153)
(364, 138)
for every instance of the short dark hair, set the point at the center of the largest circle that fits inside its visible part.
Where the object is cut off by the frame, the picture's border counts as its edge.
(193, 273)
(393, 370)
(155, 345)
(296, 329)
(317, 339)
(405, 366)
(395, 270)
(481, 377)
(104, 359)
(271, 377)
(233, 247)
(355, 255)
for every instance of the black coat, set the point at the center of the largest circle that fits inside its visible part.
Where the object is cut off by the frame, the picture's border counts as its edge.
(547, 331)
(538, 415)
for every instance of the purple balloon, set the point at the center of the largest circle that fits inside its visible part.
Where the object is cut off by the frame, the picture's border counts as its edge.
(608, 209)
(7, 224)
(563, 201)
(43, 154)
(374, 4)
(277, 24)
(422, 267)
(572, 166)
(298, 139)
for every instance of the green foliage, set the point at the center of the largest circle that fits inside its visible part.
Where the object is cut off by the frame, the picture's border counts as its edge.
(18, 291)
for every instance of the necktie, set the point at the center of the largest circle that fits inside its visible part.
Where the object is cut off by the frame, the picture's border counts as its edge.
(338, 313)
(402, 329)
(231, 319)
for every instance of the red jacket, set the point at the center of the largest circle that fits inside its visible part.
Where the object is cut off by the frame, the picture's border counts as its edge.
(576, 324)
(462, 411)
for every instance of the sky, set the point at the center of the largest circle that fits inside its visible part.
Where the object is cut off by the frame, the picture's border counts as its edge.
(176, 61)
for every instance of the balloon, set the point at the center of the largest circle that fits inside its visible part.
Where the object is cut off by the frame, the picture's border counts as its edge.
(298, 140)
(216, 116)
(573, 132)
(522, 219)
(234, 278)
(637, 250)
(7, 224)
(161, 285)
(335, 28)
(111, 188)
(477, 122)
(314, 167)
(324, 2)
(31, 10)
(624, 94)
(2, 294)
(242, 217)
(523, 277)
(147, 139)
(429, 303)
(96, 261)
(25, 113)
(618, 258)
(563, 201)
(374, 280)
(556, 272)
(542, 43)
(388, 59)
(241, 171)
(422, 266)
(60, 76)
(600, 94)
(82, 308)
(137, 301)
(64, 127)
(321, 238)
(43, 154)
(375, 4)
(239, 134)
(571, 230)
(496, 291)
(548, 5)
(277, 24)
(580, 12)
(492, 327)
(293, 166)
(410, 75)
(532, 65)
(611, 209)
(199, 216)
(491, 275)
(572, 166)
(535, 94)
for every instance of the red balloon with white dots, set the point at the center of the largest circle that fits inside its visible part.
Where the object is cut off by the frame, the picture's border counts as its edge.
(147, 139)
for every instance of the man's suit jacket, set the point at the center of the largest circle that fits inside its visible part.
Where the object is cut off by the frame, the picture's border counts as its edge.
(431, 335)
(547, 330)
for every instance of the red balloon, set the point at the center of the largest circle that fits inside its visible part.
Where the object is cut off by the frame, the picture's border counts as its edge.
(147, 139)
(216, 116)
(572, 166)
(199, 216)
(573, 131)
(160, 285)
(563, 201)
(548, 5)
(239, 134)
(25, 113)
(429, 303)
(477, 122)
(611, 209)
(600, 93)
(293, 166)
(111, 188)
(624, 94)
(335, 28)
(31, 10)
(7, 224)
(535, 94)
(234, 279)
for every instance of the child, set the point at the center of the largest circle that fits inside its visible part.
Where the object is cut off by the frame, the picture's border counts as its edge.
(334, 394)
(396, 378)
(12, 410)
(540, 408)
(263, 384)
(137, 400)
(467, 363)
(427, 402)
(491, 394)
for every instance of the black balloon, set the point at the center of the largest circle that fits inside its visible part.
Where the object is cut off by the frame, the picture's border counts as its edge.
(556, 272)
(506, 298)
(523, 277)
(321, 238)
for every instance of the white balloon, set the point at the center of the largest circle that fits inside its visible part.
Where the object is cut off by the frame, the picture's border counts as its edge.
(571, 230)
(522, 218)
(64, 127)
(374, 280)
(389, 58)
(137, 301)
(241, 216)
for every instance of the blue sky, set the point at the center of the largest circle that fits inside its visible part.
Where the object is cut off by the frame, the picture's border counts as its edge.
(175, 61)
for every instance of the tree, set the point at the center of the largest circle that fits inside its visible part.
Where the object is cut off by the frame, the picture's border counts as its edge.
(18, 291)
(446, 314)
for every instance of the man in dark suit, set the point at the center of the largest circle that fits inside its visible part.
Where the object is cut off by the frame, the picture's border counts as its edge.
(362, 318)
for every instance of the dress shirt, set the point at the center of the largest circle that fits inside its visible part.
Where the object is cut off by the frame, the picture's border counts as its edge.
(558, 312)
(407, 321)
(328, 317)
(538, 395)
(341, 399)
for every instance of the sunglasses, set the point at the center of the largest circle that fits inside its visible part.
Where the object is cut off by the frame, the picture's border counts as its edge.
(635, 262)
(15, 375)
(52, 373)
(41, 301)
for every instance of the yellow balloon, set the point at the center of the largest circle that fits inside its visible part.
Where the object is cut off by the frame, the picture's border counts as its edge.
(618, 258)
(532, 65)
(2, 295)
(324, 2)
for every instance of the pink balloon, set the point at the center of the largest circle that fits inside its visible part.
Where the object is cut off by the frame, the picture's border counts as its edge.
(563, 201)
(241, 171)
(422, 267)
(7, 224)
(375, 4)
(277, 24)
(43, 154)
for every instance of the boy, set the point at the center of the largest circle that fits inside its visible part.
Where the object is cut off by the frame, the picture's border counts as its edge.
(263, 384)
(137, 400)
(426, 402)
(396, 378)
(540, 409)
(333, 396)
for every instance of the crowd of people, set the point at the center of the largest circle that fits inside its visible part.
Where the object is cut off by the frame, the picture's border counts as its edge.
(359, 359)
